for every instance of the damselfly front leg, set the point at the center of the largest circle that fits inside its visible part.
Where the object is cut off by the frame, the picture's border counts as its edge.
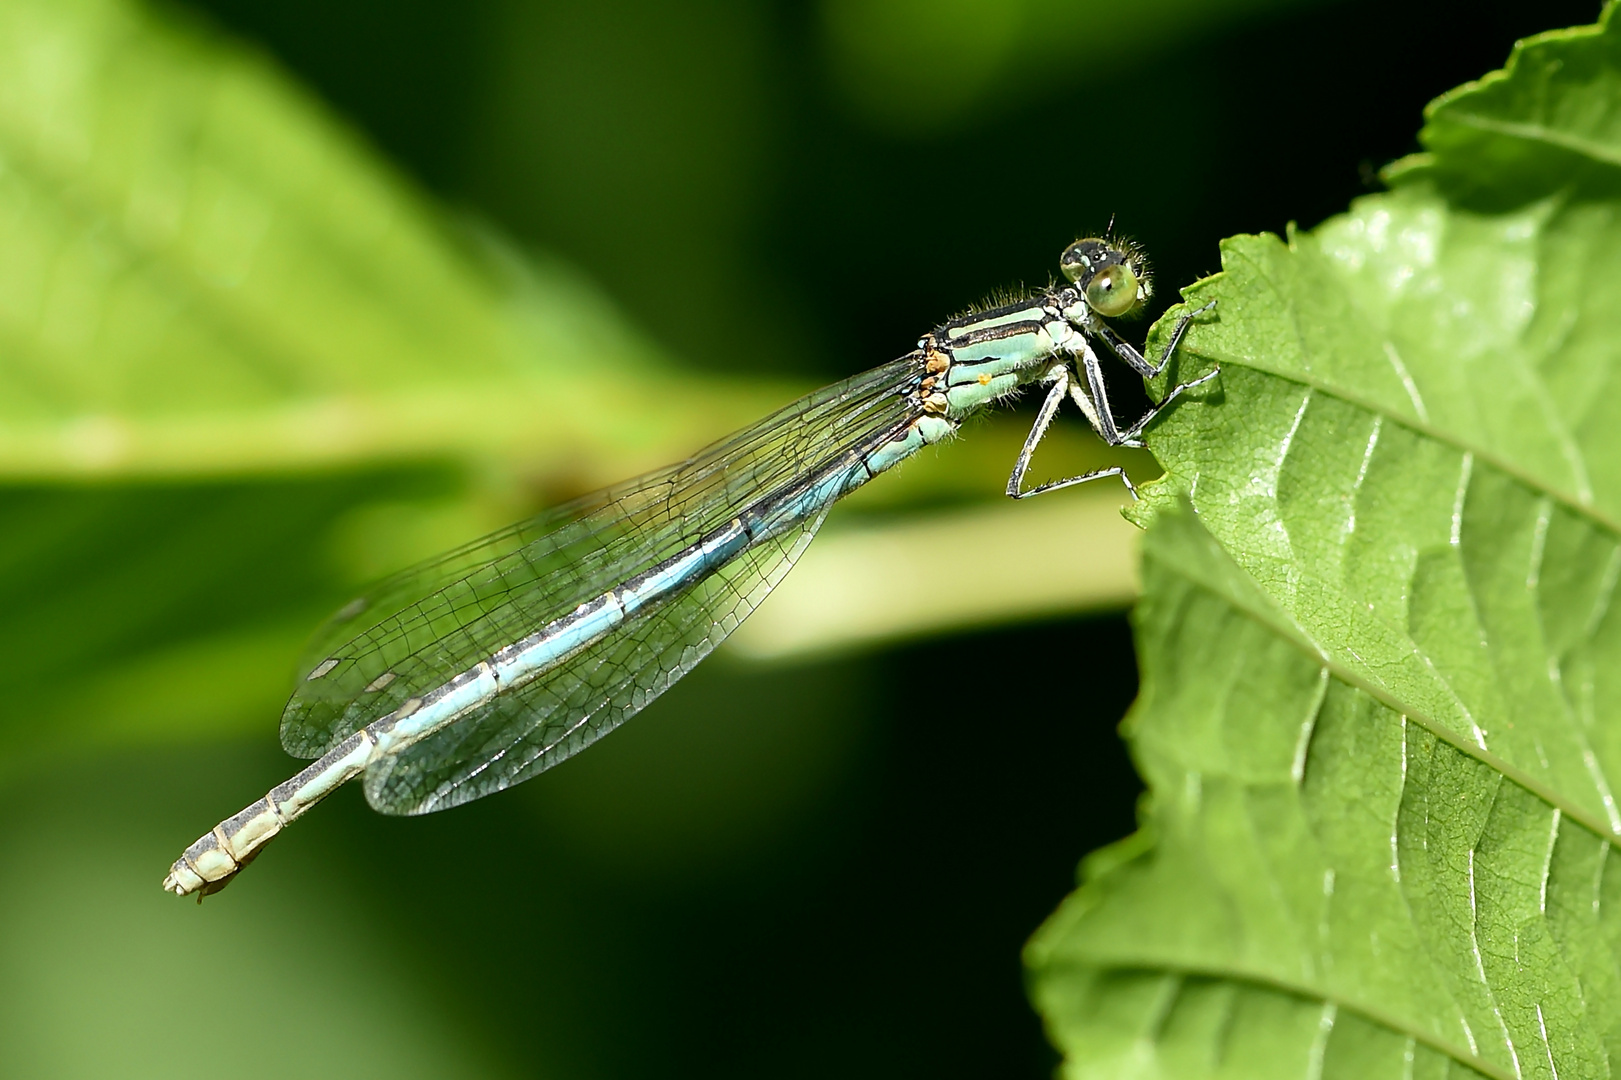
(1139, 363)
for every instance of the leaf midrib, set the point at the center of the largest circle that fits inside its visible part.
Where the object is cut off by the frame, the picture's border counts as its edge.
(261, 349)
(1241, 972)
(1286, 628)
(1289, 629)
(1569, 501)
(1593, 151)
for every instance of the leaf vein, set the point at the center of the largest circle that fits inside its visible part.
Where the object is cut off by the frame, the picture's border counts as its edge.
(1540, 133)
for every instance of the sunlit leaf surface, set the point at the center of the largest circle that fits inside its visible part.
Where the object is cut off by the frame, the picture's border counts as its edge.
(1381, 716)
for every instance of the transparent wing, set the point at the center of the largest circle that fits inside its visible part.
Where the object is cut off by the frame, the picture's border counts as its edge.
(416, 630)
(520, 735)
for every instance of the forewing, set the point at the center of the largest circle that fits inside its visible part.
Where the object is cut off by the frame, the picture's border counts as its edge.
(376, 637)
(420, 628)
(521, 734)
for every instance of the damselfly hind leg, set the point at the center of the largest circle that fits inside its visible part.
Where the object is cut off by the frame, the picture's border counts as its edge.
(1054, 485)
(1061, 386)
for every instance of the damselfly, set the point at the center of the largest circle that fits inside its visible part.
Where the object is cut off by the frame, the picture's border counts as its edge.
(478, 669)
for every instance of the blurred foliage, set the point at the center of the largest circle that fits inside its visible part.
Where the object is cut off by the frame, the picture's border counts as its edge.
(1379, 709)
(202, 273)
(248, 361)
(923, 65)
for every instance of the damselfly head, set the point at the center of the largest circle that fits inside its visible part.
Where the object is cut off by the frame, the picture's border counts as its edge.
(1112, 275)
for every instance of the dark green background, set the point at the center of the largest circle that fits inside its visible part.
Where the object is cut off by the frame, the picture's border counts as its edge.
(814, 869)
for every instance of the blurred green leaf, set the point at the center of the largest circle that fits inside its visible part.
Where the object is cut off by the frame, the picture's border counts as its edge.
(156, 610)
(1379, 717)
(1550, 122)
(201, 272)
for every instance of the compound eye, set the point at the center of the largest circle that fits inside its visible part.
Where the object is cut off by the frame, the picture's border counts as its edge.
(1112, 291)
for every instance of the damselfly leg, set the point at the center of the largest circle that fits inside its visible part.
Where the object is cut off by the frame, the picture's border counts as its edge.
(1063, 381)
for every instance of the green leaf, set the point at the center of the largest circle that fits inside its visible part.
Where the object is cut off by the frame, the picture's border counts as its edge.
(201, 272)
(1381, 709)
